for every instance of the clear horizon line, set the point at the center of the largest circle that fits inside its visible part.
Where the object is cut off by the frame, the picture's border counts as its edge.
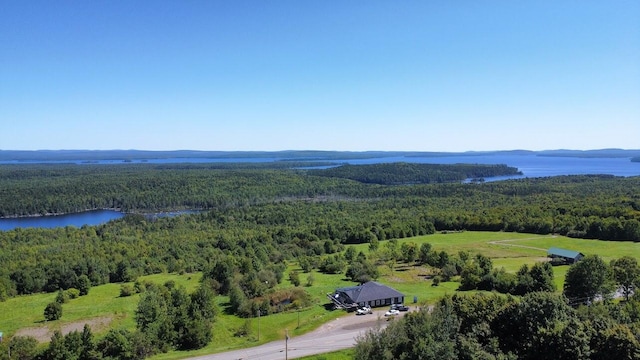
(323, 150)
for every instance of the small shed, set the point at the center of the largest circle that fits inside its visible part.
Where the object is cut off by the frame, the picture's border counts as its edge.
(370, 293)
(564, 256)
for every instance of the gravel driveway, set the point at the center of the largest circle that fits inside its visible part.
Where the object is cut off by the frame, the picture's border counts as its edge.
(335, 335)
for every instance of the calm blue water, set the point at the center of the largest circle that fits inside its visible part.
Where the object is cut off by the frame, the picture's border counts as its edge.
(530, 165)
(94, 217)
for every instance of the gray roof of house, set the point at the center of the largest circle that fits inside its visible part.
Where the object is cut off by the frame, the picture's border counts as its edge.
(564, 253)
(370, 291)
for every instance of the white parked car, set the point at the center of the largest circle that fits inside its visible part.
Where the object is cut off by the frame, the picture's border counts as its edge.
(364, 310)
(392, 312)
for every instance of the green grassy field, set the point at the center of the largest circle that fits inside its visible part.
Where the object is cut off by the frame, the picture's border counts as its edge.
(102, 302)
(336, 355)
(508, 250)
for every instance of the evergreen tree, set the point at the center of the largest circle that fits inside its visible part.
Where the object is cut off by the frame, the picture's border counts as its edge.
(53, 311)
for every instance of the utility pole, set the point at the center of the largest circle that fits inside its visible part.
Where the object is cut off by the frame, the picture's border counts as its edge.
(259, 324)
(286, 344)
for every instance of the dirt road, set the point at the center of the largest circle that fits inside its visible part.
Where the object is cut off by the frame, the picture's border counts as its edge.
(335, 335)
(508, 242)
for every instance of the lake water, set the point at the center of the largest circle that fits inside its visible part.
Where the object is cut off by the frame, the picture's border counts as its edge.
(530, 165)
(93, 217)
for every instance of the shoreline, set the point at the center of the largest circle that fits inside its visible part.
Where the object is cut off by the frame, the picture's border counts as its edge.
(61, 214)
(144, 213)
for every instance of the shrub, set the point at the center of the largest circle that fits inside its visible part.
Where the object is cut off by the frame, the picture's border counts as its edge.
(142, 286)
(244, 329)
(294, 278)
(72, 293)
(310, 280)
(62, 297)
(53, 311)
(126, 290)
(83, 284)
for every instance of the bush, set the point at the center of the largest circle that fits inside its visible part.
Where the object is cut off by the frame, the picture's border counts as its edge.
(310, 280)
(53, 311)
(294, 278)
(142, 286)
(72, 293)
(83, 284)
(243, 330)
(62, 297)
(126, 290)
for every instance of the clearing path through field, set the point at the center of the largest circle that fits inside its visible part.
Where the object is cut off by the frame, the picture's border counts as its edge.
(508, 242)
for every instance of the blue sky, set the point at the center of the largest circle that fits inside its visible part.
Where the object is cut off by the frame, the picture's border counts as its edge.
(324, 75)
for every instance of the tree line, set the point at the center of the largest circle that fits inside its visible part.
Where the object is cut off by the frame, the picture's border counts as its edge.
(539, 325)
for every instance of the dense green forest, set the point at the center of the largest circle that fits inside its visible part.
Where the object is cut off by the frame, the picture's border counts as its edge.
(599, 207)
(270, 215)
(51, 189)
(406, 173)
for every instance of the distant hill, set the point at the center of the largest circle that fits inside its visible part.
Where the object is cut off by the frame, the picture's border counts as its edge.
(603, 153)
(295, 155)
(94, 155)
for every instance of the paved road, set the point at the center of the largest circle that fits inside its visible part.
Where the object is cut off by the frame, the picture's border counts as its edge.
(335, 335)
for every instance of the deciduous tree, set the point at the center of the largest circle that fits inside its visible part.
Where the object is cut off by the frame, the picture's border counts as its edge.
(587, 279)
(626, 273)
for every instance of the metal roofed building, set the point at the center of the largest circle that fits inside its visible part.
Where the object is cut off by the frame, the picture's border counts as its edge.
(564, 255)
(370, 293)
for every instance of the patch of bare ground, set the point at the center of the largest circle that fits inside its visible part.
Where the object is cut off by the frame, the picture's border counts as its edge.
(395, 279)
(43, 333)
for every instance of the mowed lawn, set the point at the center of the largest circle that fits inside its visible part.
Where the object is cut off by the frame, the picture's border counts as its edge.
(511, 250)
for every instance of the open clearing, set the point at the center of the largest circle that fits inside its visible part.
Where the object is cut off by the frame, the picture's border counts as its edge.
(43, 333)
